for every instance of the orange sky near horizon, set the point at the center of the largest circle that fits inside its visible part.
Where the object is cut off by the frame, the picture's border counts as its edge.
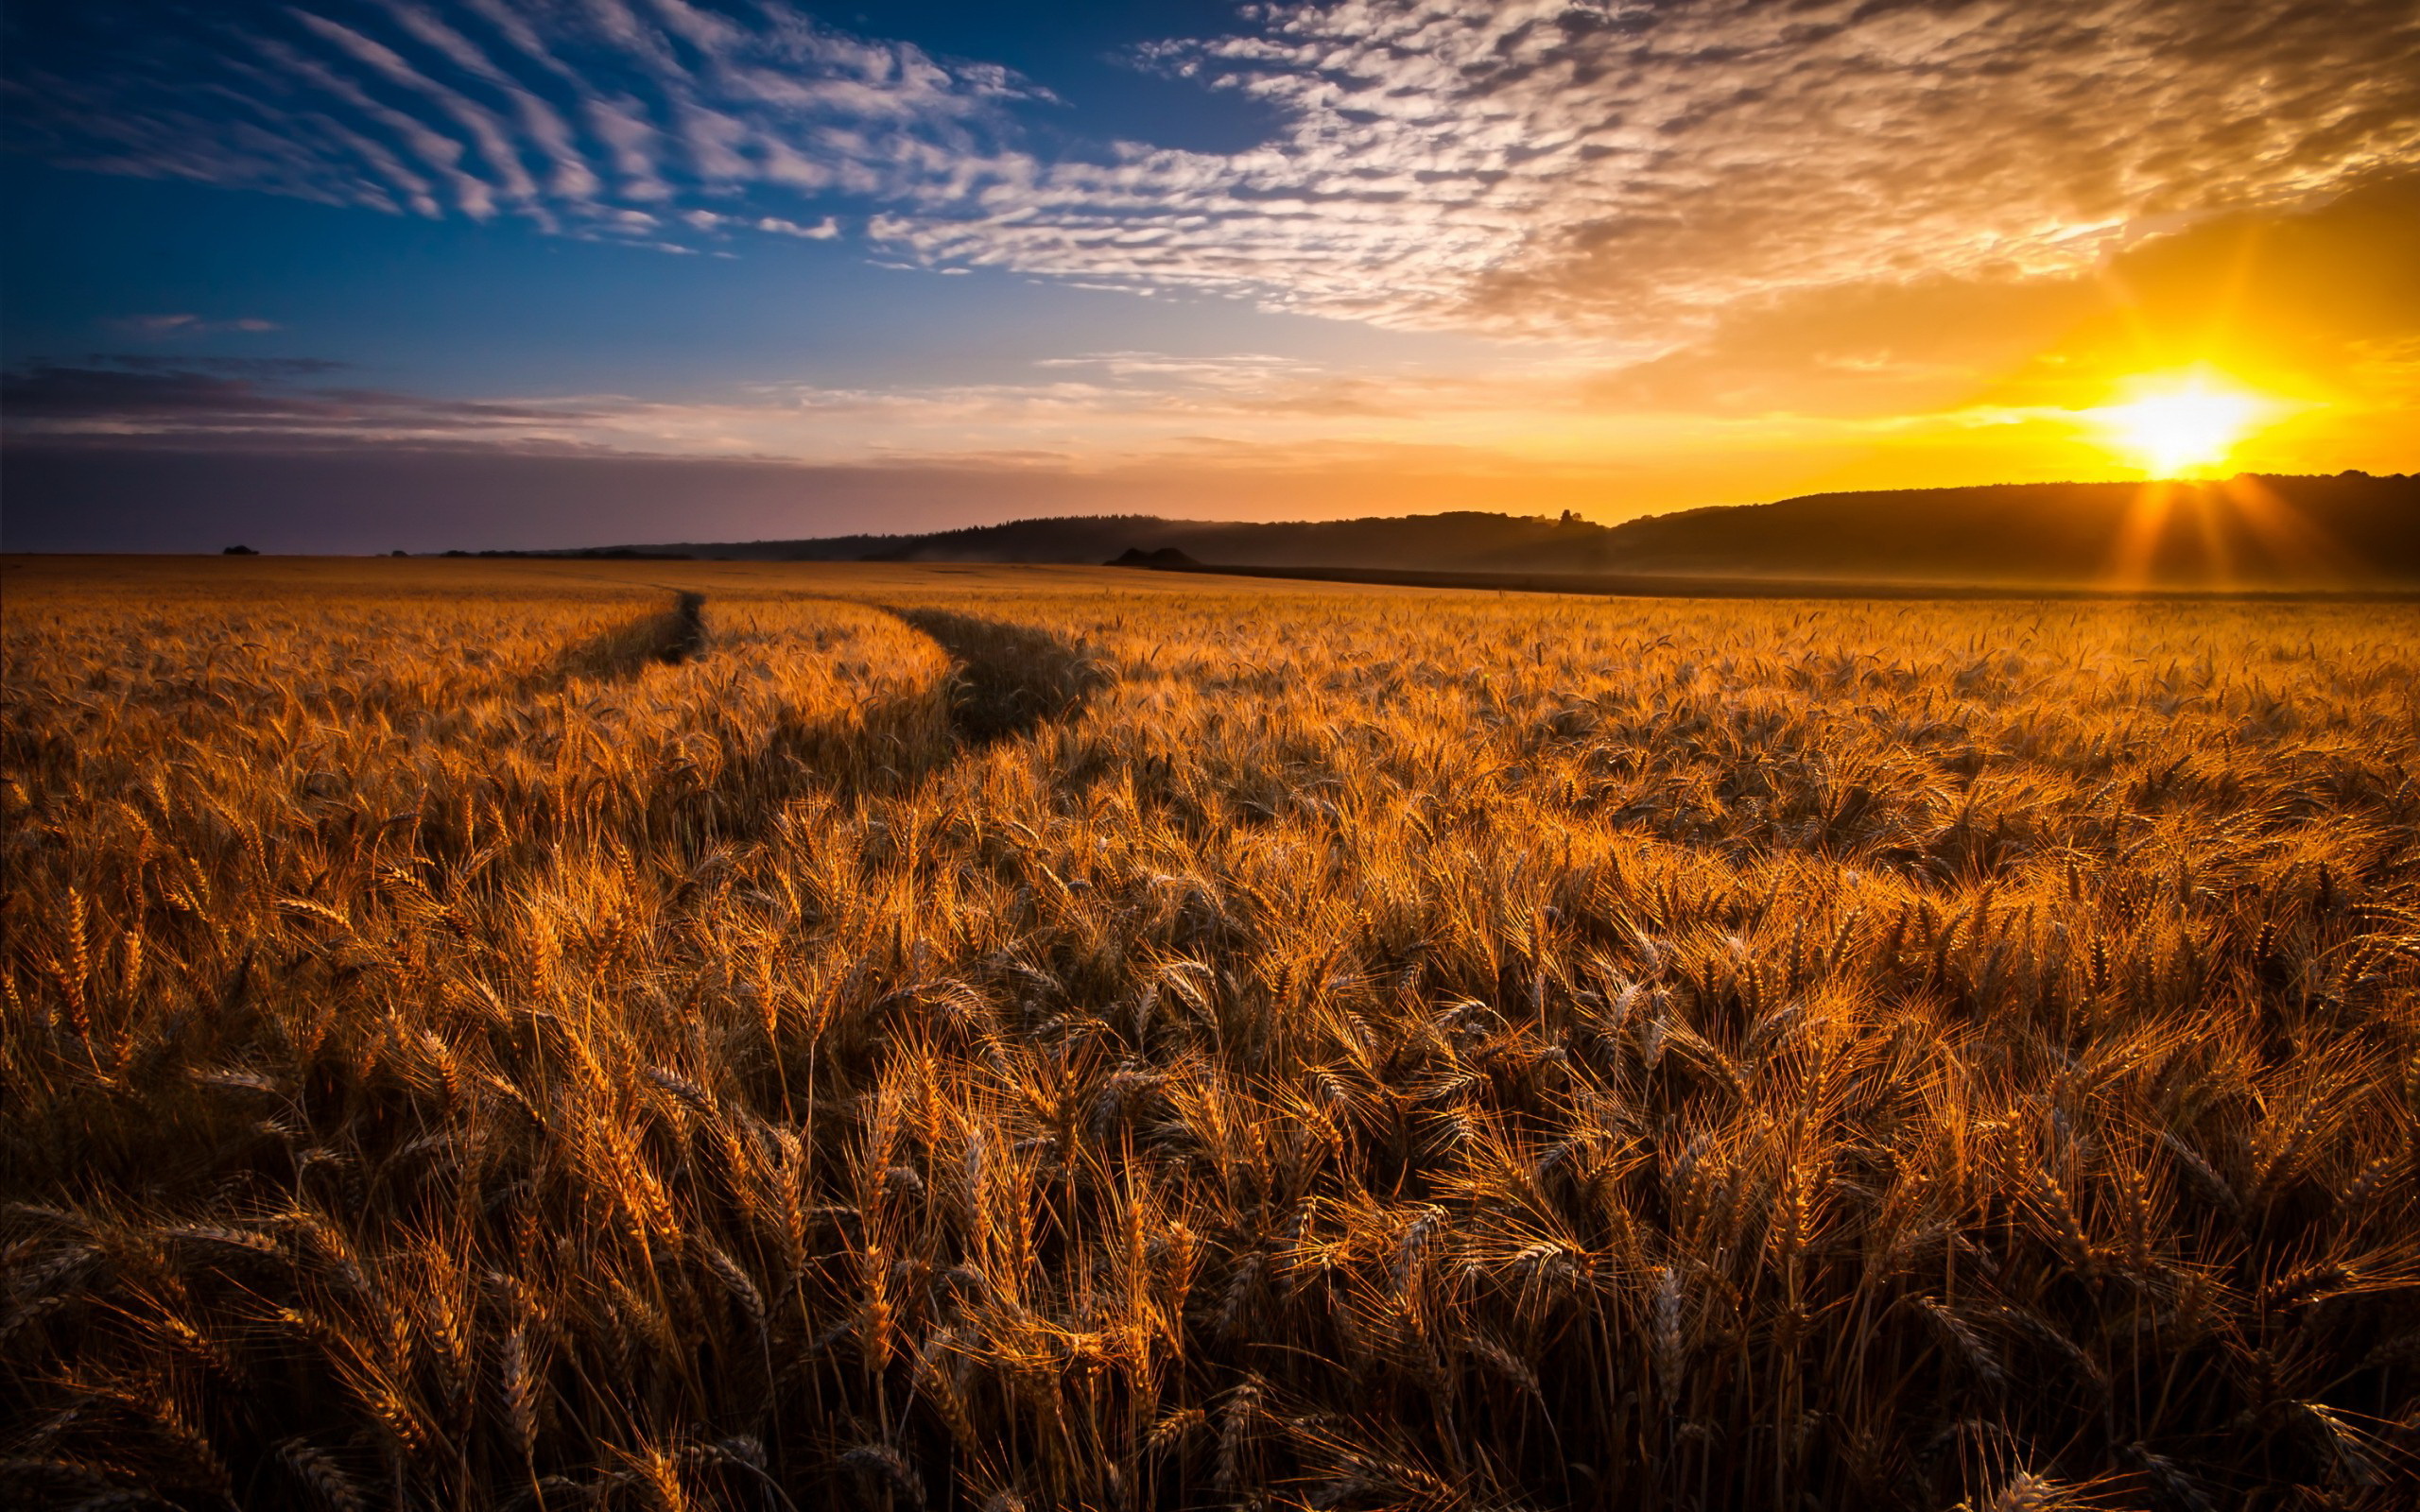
(1321, 258)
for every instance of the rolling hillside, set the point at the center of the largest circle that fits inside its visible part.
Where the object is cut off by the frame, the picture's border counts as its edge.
(2349, 530)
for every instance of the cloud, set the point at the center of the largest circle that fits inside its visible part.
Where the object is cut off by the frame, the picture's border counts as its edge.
(266, 369)
(1217, 367)
(1088, 410)
(566, 114)
(828, 228)
(147, 400)
(190, 325)
(1599, 170)
(823, 230)
(1631, 171)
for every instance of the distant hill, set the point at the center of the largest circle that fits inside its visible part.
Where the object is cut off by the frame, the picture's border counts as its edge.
(1464, 538)
(2252, 531)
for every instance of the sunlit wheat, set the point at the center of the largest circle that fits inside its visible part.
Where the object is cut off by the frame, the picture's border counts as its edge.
(1042, 1042)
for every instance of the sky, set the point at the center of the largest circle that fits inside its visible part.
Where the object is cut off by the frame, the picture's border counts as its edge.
(360, 275)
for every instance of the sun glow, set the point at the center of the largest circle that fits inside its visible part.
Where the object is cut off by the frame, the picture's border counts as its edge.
(2181, 424)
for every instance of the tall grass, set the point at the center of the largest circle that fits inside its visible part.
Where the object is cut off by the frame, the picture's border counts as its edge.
(1084, 1048)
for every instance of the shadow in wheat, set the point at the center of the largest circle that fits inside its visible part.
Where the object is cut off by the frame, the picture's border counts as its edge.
(623, 651)
(1006, 678)
(739, 770)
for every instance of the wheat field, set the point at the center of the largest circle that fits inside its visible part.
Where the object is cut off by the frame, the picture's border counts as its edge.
(510, 1035)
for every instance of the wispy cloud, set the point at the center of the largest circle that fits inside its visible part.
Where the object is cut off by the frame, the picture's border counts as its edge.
(1090, 409)
(1613, 171)
(156, 401)
(277, 370)
(190, 325)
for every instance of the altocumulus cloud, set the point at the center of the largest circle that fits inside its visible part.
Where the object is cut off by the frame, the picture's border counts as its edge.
(1625, 168)
(598, 117)
(1618, 171)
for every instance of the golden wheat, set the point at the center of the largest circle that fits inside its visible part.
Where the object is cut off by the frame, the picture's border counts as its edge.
(481, 1035)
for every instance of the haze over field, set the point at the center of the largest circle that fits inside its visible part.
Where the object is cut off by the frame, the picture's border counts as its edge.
(370, 274)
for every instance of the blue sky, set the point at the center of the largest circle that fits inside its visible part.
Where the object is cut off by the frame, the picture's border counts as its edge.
(905, 266)
(468, 305)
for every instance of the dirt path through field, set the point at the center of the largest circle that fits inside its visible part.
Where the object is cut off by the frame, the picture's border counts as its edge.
(1009, 679)
(1005, 678)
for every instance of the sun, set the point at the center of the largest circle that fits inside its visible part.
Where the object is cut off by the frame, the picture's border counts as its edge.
(2181, 424)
